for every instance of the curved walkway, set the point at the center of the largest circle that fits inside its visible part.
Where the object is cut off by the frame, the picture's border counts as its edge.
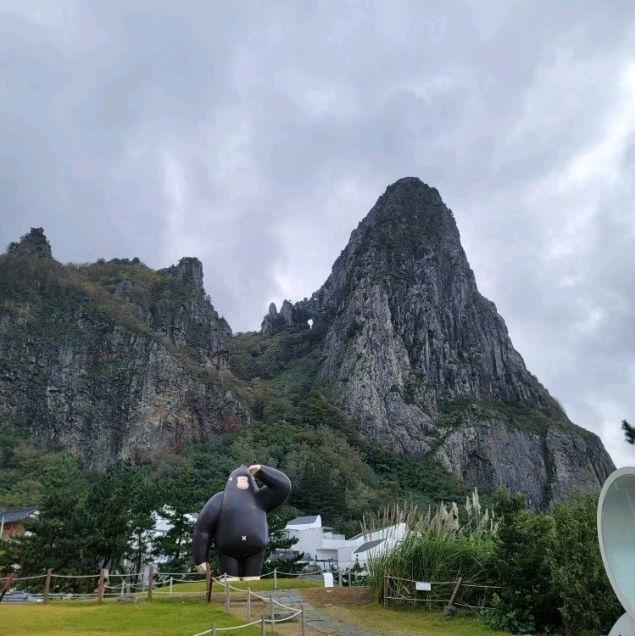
(318, 620)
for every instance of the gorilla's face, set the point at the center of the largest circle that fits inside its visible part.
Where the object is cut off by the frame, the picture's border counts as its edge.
(241, 479)
(242, 482)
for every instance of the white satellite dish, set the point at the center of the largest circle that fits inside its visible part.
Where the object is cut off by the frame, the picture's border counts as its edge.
(616, 534)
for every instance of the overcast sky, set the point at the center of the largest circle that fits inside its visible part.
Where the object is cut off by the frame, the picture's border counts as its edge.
(256, 135)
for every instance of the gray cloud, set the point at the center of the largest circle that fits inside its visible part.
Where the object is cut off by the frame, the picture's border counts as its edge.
(256, 136)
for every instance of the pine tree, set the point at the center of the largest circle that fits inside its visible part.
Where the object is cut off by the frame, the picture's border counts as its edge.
(181, 496)
(629, 432)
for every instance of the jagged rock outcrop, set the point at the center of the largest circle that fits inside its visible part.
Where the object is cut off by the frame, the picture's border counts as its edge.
(34, 243)
(185, 314)
(290, 317)
(112, 359)
(424, 365)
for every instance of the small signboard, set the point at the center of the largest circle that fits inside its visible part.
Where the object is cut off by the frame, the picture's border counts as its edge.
(328, 579)
(423, 586)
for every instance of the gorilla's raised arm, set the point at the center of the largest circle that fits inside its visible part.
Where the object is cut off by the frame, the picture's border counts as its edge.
(204, 528)
(276, 489)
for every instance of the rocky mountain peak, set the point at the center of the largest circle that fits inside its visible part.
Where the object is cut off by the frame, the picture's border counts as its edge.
(189, 272)
(34, 243)
(423, 362)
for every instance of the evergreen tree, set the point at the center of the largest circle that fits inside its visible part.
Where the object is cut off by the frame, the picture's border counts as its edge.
(527, 599)
(629, 432)
(120, 504)
(278, 540)
(588, 602)
(181, 496)
(60, 537)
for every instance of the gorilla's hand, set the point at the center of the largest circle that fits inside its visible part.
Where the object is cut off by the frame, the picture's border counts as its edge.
(254, 469)
(202, 567)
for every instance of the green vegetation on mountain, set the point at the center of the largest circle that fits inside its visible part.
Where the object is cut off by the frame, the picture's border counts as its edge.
(396, 380)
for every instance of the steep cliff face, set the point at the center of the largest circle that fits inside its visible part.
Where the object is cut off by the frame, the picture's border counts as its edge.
(112, 359)
(424, 364)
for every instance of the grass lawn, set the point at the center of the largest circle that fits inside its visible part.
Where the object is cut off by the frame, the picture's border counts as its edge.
(355, 607)
(187, 616)
(418, 622)
(255, 586)
(159, 618)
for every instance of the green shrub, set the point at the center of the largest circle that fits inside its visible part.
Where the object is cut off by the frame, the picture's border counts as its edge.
(588, 601)
(523, 558)
(439, 547)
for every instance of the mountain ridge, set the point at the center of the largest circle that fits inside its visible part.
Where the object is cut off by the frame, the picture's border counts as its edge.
(397, 347)
(423, 363)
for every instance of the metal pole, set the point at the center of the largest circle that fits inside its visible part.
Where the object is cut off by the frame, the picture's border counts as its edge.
(302, 617)
(275, 578)
(248, 604)
(227, 601)
(171, 580)
(271, 611)
(213, 629)
(262, 625)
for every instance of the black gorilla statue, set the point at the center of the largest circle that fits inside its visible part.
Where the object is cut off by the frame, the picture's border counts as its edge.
(235, 521)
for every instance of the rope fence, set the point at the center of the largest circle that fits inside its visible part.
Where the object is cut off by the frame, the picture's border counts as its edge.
(271, 619)
(127, 587)
(406, 591)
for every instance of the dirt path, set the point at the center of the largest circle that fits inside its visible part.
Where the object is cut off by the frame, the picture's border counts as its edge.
(316, 620)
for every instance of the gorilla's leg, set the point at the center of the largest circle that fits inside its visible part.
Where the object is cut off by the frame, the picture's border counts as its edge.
(229, 565)
(252, 565)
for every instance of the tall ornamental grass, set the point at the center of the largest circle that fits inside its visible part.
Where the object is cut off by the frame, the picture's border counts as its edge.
(439, 546)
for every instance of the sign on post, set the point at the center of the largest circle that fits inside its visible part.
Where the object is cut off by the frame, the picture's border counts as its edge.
(423, 586)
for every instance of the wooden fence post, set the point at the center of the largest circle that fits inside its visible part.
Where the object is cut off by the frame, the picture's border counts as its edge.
(456, 590)
(227, 600)
(47, 584)
(262, 625)
(7, 585)
(100, 585)
(275, 578)
(248, 604)
(150, 581)
(208, 585)
(385, 589)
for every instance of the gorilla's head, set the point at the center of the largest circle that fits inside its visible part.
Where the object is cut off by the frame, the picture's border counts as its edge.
(241, 479)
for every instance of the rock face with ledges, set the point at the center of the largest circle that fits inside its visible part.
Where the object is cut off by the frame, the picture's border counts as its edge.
(112, 360)
(411, 343)
(116, 360)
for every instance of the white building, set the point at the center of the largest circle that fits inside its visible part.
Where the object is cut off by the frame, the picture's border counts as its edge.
(328, 549)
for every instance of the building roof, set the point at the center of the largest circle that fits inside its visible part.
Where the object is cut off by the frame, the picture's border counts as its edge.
(17, 514)
(302, 520)
(368, 545)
